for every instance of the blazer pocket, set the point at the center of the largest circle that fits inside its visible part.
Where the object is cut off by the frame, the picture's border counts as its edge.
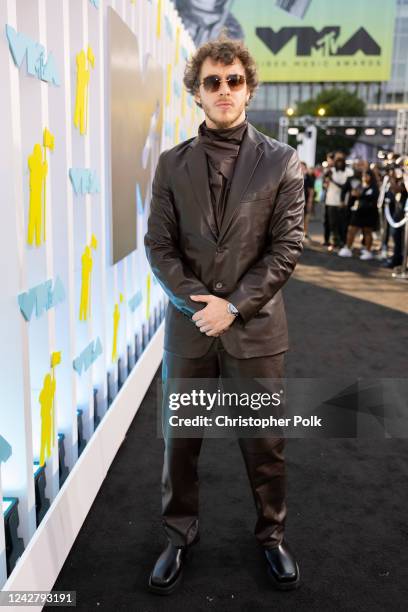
(256, 196)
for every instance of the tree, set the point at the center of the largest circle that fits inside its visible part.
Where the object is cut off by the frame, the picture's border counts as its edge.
(336, 103)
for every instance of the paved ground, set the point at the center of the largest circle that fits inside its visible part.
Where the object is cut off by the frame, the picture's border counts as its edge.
(347, 498)
(366, 280)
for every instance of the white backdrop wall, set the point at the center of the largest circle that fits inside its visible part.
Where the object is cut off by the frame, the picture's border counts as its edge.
(28, 105)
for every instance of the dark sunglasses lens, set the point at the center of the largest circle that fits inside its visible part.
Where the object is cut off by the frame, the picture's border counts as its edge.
(212, 83)
(235, 81)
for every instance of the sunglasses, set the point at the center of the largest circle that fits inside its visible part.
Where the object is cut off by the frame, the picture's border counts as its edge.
(212, 83)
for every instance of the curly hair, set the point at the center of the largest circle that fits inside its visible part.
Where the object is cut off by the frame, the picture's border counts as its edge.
(225, 50)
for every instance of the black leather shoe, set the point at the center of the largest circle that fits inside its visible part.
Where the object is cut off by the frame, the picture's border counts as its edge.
(282, 567)
(168, 570)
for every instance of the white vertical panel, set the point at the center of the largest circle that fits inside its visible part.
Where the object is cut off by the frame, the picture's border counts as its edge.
(15, 407)
(81, 234)
(52, 474)
(87, 419)
(3, 567)
(65, 28)
(100, 161)
(112, 284)
(35, 257)
(67, 416)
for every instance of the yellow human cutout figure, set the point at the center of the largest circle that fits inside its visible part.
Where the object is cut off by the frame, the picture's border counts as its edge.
(168, 85)
(86, 260)
(82, 87)
(158, 24)
(46, 398)
(148, 285)
(177, 52)
(36, 218)
(116, 319)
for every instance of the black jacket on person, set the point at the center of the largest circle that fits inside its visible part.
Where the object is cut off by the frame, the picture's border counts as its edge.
(246, 263)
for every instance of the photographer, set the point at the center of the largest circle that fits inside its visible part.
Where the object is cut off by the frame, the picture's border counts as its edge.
(335, 180)
(364, 216)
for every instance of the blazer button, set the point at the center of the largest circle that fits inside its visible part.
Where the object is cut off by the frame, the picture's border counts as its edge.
(218, 285)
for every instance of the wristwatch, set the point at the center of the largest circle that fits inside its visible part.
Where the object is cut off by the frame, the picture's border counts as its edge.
(232, 310)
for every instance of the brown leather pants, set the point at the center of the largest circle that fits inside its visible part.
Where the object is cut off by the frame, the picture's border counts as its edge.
(264, 457)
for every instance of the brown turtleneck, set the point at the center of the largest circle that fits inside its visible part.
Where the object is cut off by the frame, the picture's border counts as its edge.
(221, 147)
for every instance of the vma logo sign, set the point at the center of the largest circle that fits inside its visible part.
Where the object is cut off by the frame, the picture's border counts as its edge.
(325, 40)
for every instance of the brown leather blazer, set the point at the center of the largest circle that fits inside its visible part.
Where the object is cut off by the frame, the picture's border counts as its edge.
(256, 251)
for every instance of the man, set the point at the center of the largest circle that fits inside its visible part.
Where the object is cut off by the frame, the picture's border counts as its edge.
(326, 173)
(308, 186)
(224, 233)
(336, 210)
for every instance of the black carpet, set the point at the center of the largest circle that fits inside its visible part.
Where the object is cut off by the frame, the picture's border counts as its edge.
(347, 499)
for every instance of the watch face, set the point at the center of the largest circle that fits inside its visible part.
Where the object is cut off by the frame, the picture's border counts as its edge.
(232, 309)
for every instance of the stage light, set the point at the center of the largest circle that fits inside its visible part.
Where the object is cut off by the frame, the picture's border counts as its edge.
(321, 111)
(290, 111)
(350, 131)
(369, 132)
(293, 131)
(387, 132)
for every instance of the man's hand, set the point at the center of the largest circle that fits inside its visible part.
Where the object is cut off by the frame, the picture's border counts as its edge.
(214, 319)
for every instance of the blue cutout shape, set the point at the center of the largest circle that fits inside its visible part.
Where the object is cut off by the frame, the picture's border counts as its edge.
(75, 174)
(58, 294)
(93, 183)
(168, 129)
(5, 450)
(84, 180)
(183, 134)
(139, 202)
(49, 72)
(21, 46)
(26, 303)
(35, 58)
(77, 364)
(18, 44)
(97, 350)
(176, 89)
(135, 301)
(184, 53)
(95, 3)
(87, 356)
(43, 298)
(169, 29)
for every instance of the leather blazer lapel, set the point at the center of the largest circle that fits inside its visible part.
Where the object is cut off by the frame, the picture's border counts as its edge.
(198, 173)
(250, 153)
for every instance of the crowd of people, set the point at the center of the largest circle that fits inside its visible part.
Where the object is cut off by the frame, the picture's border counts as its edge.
(353, 211)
